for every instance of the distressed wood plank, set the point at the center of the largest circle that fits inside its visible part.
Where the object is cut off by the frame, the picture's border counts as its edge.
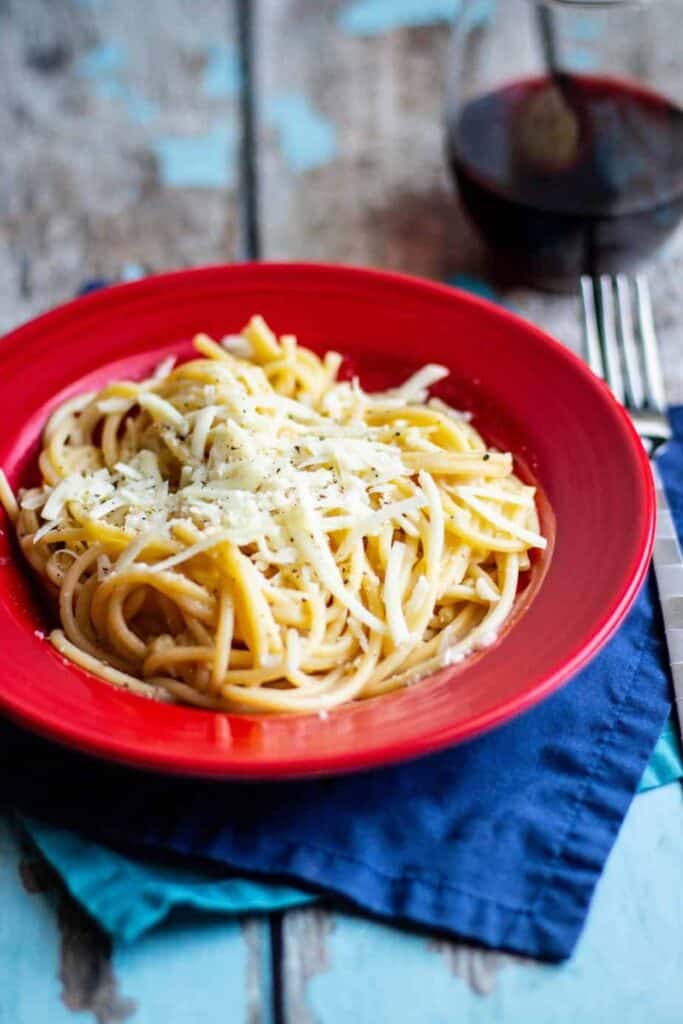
(37, 982)
(352, 163)
(627, 966)
(123, 128)
(201, 971)
(56, 964)
(561, 315)
(305, 939)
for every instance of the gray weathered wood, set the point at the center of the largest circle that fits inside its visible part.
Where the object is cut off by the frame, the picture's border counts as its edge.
(305, 935)
(384, 199)
(90, 93)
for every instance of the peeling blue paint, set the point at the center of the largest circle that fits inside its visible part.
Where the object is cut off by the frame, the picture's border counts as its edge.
(107, 88)
(307, 138)
(586, 29)
(103, 66)
(131, 272)
(477, 14)
(103, 61)
(202, 161)
(581, 59)
(373, 17)
(137, 106)
(222, 74)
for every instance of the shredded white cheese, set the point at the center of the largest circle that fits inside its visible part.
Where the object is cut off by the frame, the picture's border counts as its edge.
(250, 455)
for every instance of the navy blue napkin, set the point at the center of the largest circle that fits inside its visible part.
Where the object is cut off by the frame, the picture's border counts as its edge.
(500, 840)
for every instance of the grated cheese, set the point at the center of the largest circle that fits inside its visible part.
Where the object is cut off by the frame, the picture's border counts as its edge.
(398, 630)
(114, 405)
(164, 368)
(161, 410)
(237, 345)
(416, 388)
(258, 468)
(202, 426)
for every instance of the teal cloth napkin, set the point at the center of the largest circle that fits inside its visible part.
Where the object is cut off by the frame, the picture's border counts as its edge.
(129, 895)
(666, 762)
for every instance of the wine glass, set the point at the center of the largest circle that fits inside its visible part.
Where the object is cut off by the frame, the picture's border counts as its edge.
(564, 131)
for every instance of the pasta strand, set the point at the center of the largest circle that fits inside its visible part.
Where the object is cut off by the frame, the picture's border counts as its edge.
(244, 531)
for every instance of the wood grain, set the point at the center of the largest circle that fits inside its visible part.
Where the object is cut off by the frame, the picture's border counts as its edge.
(57, 966)
(477, 967)
(305, 935)
(384, 198)
(92, 93)
(87, 979)
(85, 968)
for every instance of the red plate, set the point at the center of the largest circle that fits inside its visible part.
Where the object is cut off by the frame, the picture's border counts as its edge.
(528, 394)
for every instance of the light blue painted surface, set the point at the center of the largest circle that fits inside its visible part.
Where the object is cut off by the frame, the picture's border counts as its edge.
(132, 272)
(478, 13)
(581, 59)
(374, 17)
(201, 161)
(307, 138)
(103, 61)
(181, 974)
(104, 66)
(470, 283)
(221, 78)
(137, 106)
(627, 968)
(585, 28)
(133, 102)
(187, 974)
(29, 945)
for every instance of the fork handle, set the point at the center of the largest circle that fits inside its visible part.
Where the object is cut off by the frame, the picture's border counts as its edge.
(668, 566)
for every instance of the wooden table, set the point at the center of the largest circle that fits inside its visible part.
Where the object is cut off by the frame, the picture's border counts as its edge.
(121, 130)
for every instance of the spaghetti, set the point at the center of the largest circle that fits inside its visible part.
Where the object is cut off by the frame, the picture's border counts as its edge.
(245, 531)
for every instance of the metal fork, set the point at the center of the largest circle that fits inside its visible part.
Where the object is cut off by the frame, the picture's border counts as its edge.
(625, 353)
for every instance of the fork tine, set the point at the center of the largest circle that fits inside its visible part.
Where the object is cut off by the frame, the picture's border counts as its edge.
(634, 377)
(609, 338)
(654, 381)
(590, 326)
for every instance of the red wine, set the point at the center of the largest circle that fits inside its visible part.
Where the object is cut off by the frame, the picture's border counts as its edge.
(570, 174)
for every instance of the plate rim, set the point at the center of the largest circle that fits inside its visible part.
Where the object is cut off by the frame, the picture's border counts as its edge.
(73, 735)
